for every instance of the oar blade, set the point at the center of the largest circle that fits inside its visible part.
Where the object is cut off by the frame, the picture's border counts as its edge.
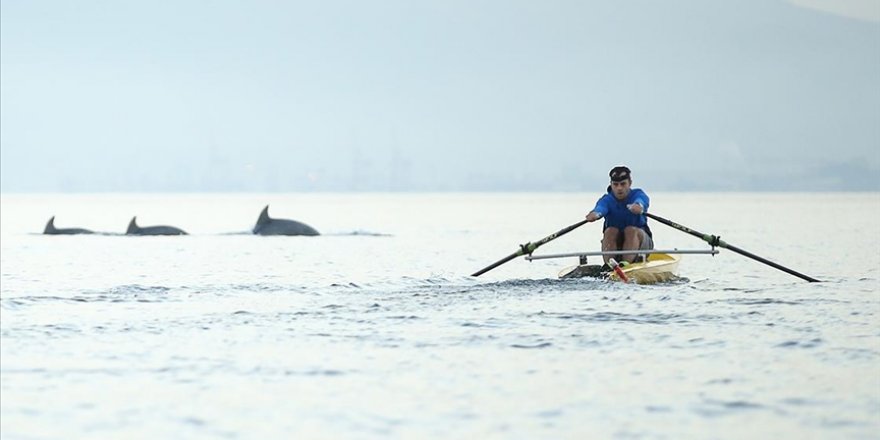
(770, 263)
(497, 263)
(714, 240)
(528, 248)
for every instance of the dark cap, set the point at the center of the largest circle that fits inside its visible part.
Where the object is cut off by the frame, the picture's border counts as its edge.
(619, 174)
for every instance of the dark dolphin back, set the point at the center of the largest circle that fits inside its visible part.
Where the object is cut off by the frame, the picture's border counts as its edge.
(287, 227)
(50, 226)
(269, 226)
(161, 230)
(52, 230)
(262, 220)
(134, 229)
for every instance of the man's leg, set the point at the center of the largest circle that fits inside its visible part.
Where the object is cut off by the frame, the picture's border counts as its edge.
(632, 240)
(609, 241)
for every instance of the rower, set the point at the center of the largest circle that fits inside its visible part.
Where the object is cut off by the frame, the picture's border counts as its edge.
(623, 207)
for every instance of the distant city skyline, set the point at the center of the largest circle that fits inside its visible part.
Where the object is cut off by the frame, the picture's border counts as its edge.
(439, 96)
(397, 175)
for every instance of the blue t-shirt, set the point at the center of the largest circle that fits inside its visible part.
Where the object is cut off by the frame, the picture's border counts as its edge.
(617, 215)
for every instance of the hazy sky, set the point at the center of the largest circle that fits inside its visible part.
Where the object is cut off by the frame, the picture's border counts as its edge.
(438, 95)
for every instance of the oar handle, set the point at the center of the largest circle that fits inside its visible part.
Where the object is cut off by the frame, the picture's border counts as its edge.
(715, 240)
(711, 239)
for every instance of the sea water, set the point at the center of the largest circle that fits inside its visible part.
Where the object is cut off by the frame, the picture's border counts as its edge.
(376, 329)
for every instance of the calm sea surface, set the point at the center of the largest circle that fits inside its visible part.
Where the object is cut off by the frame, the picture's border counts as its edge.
(375, 328)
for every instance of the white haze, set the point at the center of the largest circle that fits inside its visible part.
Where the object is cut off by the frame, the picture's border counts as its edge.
(437, 95)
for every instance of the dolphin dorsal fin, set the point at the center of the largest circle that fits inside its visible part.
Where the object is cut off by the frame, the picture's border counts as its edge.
(50, 226)
(132, 226)
(264, 216)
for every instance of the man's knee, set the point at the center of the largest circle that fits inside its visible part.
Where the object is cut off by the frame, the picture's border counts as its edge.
(610, 239)
(632, 231)
(634, 236)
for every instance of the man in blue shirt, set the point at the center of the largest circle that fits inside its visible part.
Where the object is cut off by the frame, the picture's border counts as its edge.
(625, 228)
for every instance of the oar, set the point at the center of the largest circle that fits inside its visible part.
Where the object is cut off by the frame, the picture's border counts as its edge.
(528, 248)
(715, 240)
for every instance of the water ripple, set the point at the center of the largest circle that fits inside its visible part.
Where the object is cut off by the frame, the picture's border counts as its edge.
(755, 301)
(641, 318)
(812, 343)
(530, 346)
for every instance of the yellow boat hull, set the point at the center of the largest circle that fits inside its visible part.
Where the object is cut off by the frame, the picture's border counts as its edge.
(658, 268)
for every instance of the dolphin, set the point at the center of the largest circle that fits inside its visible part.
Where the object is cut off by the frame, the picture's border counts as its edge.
(134, 229)
(271, 226)
(52, 230)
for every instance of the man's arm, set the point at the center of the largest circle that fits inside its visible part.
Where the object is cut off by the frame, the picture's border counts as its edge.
(599, 211)
(640, 204)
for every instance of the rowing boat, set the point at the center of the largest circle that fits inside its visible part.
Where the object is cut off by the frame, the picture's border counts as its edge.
(650, 268)
(659, 266)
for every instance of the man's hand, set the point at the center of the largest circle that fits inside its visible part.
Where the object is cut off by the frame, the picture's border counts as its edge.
(635, 208)
(592, 216)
